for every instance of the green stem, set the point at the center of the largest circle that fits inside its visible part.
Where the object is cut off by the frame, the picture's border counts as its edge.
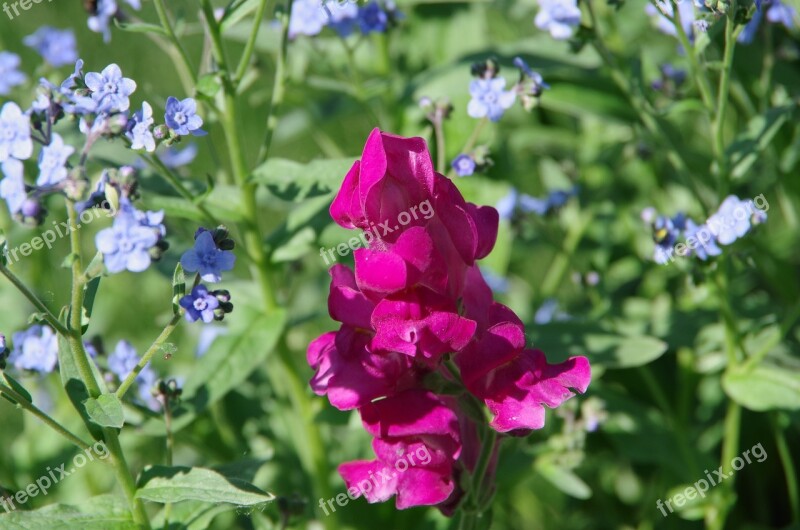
(167, 25)
(789, 469)
(730, 448)
(47, 420)
(169, 450)
(722, 100)
(81, 358)
(438, 128)
(244, 61)
(558, 268)
(474, 505)
(471, 141)
(168, 175)
(33, 299)
(151, 351)
(695, 68)
(278, 85)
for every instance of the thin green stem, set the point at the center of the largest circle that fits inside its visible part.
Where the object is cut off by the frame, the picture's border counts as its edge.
(695, 68)
(471, 141)
(169, 449)
(163, 17)
(244, 61)
(789, 469)
(151, 351)
(438, 128)
(730, 448)
(278, 85)
(33, 299)
(47, 420)
(722, 100)
(168, 175)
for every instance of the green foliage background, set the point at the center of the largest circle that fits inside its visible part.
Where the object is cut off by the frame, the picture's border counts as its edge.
(655, 334)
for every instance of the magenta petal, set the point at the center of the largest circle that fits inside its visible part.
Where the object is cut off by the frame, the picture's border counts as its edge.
(372, 479)
(423, 487)
(519, 391)
(318, 356)
(410, 413)
(346, 303)
(486, 220)
(380, 272)
(346, 209)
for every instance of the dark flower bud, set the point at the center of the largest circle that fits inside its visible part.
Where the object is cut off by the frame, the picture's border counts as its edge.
(223, 295)
(487, 69)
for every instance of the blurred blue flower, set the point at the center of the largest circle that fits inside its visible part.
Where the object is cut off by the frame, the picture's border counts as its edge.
(12, 187)
(532, 82)
(549, 312)
(342, 16)
(206, 259)
(372, 18)
(71, 83)
(181, 116)
(56, 46)
(52, 161)
(174, 157)
(10, 76)
(664, 11)
(664, 235)
(15, 133)
(123, 361)
(126, 244)
(36, 349)
(109, 89)
(704, 244)
(100, 21)
(559, 17)
(464, 165)
(199, 304)
(139, 129)
(750, 30)
(731, 220)
(308, 17)
(530, 204)
(507, 205)
(780, 13)
(489, 98)
(208, 334)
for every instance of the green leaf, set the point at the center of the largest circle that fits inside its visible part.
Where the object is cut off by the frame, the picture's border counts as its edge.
(90, 291)
(140, 27)
(18, 388)
(229, 361)
(208, 85)
(761, 130)
(603, 348)
(106, 512)
(765, 387)
(106, 411)
(564, 479)
(293, 181)
(176, 484)
(224, 202)
(178, 288)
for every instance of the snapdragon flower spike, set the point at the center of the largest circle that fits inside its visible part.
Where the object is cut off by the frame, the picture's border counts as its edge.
(517, 383)
(35, 349)
(207, 259)
(181, 116)
(10, 76)
(416, 425)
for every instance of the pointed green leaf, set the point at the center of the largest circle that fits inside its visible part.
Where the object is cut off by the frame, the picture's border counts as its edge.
(765, 387)
(178, 288)
(106, 411)
(176, 484)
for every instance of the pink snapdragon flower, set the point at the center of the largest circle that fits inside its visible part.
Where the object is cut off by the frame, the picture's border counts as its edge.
(517, 383)
(416, 442)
